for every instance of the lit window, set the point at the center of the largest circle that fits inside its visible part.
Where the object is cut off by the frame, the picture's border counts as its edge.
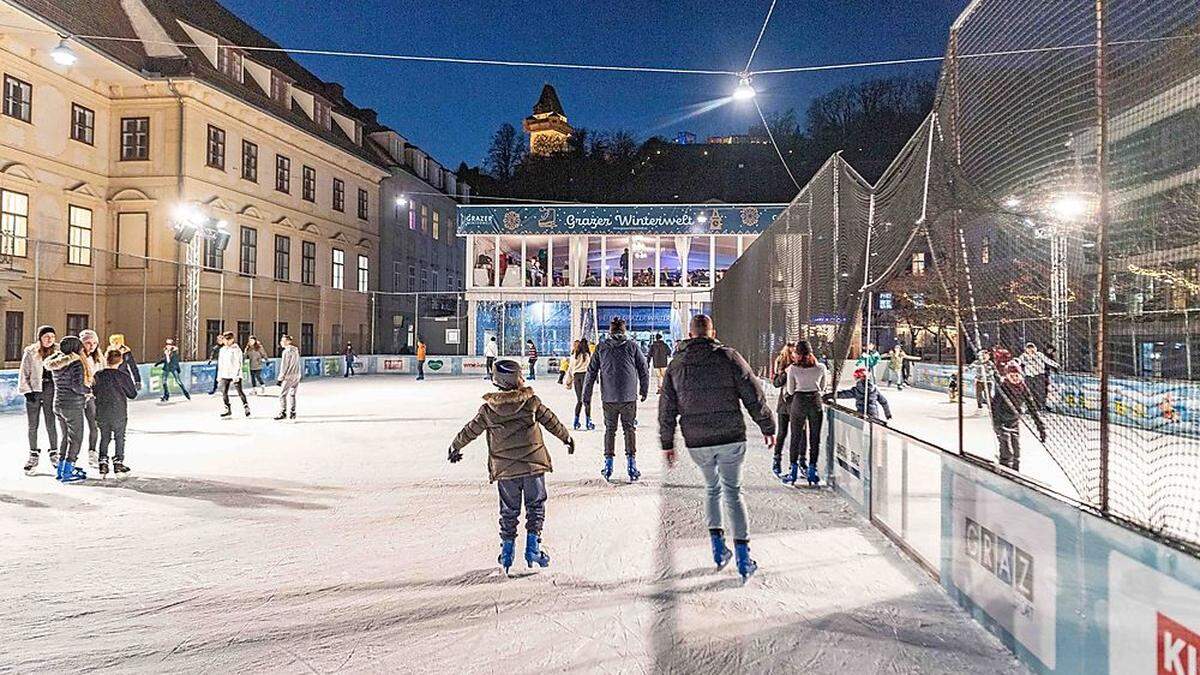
(14, 223)
(985, 251)
(18, 98)
(83, 124)
(79, 235)
(338, 271)
(364, 273)
(135, 138)
(918, 263)
(437, 225)
(216, 147)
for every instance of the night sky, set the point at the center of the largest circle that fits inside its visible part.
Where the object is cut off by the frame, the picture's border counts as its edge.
(452, 110)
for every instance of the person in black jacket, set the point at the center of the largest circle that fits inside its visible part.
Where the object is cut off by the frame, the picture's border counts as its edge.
(660, 354)
(113, 389)
(779, 380)
(704, 389)
(171, 368)
(1011, 395)
(624, 378)
(869, 400)
(72, 373)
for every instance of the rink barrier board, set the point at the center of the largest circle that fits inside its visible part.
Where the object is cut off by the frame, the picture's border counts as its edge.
(1066, 590)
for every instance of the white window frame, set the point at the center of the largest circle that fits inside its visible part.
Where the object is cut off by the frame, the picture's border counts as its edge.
(79, 235)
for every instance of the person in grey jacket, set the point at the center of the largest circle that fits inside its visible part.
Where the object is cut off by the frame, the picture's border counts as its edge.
(37, 386)
(624, 378)
(289, 377)
(256, 358)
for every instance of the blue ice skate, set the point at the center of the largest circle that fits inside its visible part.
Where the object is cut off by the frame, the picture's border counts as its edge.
(631, 468)
(813, 478)
(745, 566)
(507, 553)
(590, 426)
(721, 553)
(776, 468)
(71, 473)
(534, 555)
(607, 470)
(577, 423)
(790, 477)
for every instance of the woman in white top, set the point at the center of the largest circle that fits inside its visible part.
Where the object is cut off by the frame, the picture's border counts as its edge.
(229, 371)
(806, 380)
(581, 355)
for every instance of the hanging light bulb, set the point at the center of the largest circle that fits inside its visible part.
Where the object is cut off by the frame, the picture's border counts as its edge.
(744, 91)
(63, 55)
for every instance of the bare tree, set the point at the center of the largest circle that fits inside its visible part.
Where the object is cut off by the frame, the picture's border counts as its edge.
(506, 152)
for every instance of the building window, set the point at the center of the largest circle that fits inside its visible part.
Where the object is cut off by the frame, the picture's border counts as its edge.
(216, 147)
(280, 328)
(283, 258)
(308, 185)
(437, 224)
(214, 257)
(244, 330)
(337, 337)
(76, 324)
(14, 223)
(14, 334)
(424, 279)
(308, 263)
(83, 124)
(307, 335)
(412, 278)
(363, 205)
(321, 116)
(985, 251)
(433, 280)
(339, 195)
(135, 138)
(79, 235)
(279, 89)
(412, 217)
(250, 161)
(18, 98)
(229, 61)
(918, 263)
(397, 276)
(248, 258)
(425, 218)
(212, 331)
(364, 274)
(338, 269)
(283, 174)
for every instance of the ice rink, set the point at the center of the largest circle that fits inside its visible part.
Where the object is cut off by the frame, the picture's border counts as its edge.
(344, 541)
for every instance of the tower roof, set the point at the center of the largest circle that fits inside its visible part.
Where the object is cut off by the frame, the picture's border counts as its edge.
(548, 102)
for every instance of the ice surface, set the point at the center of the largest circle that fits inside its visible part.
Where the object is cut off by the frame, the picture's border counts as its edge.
(345, 541)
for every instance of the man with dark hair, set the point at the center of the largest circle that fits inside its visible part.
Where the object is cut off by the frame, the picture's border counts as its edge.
(660, 354)
(705, 386)
(624, 378)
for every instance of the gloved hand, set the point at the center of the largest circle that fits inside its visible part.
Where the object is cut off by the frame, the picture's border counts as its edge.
(455, 456)
(571, 446)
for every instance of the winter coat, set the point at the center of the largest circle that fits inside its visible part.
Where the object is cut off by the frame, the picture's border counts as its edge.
(1007, 403)
(780, 382)
(130, 366)
(577, 367)
(421, 351)
(289, 367)
(114, 388)
(660, 354)
(515, 445)
(896, 359)
(70, 386)
(490, 349)
(868, 360)
(874, 399)
(229, 363)
(169, 361)
(255, 356)
(705, 387)
(33, 370)
(621, 368)
(531, 352)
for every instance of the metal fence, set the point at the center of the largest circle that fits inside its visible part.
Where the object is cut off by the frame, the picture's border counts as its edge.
(1051, 197)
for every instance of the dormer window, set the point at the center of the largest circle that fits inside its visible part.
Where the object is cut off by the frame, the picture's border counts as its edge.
(321, 114)
(279, 90)
(229, 61)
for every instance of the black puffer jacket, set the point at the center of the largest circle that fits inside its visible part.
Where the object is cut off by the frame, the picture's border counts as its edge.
(70, 385)
(705, 387)
(622, 370)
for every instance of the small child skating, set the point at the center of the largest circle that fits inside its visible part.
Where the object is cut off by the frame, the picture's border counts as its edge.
(952, 388)
(113, 389)
(869, 400)
(517, 457)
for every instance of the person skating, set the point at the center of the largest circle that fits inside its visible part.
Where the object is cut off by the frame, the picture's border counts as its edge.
(91, 352)
(350, 357)
(660, 355)
(1012, 395)
(985, 376)
(290, 373)
(113, 389)
(1036, 367)
(704, 390)
(806, 381)
(869, 358)
(36, 384)
(256, 358)
(490, 352)
(564, 367)
(897, 361)
(229, 372)
(517, 458)
(624, 378)
(421, 351)
(214, 352)
(786, 357)
(532, 353)
(117, 341)
(577, 367)
(172, 368)
(72, 375)
(868, 399)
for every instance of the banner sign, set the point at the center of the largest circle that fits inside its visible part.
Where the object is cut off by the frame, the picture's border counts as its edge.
(618, 219)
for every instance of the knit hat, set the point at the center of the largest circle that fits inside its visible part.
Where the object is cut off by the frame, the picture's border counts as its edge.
(1012, 367)
(507, 375)
(42, 330)
(70, 345)
(860, 373)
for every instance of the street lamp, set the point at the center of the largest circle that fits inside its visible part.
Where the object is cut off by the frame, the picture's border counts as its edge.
(63, 55)
(744, 91)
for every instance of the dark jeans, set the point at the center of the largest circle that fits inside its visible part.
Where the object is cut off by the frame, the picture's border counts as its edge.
(225, 391)
(983, 394)
(256, 378)
(179, 381)
(89, 414)
(1009, 438)
(40, 406)
(580, 403)
(530, 490)
(113, 430)
(627, 413)
(781, 438)
(1039, 386)
(533, 369)
(491, 361)
(71, 421)
(420, 369)
(806, 411)
(349, 368)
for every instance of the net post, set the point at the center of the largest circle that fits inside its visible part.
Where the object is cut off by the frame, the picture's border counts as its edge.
(1102, 249)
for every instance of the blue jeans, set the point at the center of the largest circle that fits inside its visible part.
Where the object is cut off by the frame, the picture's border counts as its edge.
(179, 381)
(530, 490)
(722, 469)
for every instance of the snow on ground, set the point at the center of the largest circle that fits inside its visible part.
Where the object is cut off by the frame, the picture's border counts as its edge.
(345, 541)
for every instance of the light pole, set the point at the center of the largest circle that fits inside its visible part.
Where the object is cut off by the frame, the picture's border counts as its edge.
(193, 227)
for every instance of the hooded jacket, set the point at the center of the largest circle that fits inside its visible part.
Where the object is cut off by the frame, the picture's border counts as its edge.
(1007, 403)
(229, 363)
(621, 368)
(114, 389)
(865, 400)
(704, 388)
(70, 386)
(511, 421)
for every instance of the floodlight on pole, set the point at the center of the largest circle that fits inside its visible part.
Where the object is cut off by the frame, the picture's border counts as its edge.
(745, 91)
(401, 200)
(1069, 207)
(63, 55)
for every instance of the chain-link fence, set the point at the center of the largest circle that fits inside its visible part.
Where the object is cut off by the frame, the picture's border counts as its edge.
(1037, 242)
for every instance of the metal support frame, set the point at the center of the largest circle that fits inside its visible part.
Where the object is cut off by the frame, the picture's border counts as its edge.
(1059, 294)
(191, 300)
